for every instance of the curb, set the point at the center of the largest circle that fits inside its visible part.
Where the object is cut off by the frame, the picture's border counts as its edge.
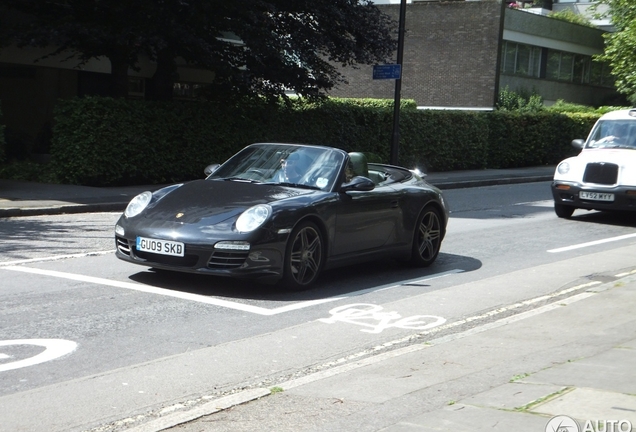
(204, 410)
(490, 182)
(62, 209)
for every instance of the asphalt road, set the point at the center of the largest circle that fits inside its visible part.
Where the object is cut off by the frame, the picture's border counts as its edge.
(139, 342)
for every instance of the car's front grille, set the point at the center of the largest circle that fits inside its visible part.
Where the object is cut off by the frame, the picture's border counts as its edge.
(122, 245)
(601, 173)
(227, 259)
(186, 261)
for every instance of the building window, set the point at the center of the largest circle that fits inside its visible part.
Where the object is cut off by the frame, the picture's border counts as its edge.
(600, 75)
(136, 87)
(577, 68)
(183, 90)
(520, 59)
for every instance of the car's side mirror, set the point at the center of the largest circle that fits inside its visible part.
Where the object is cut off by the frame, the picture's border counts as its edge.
(578, 143)
(210, 169)
(358, 183)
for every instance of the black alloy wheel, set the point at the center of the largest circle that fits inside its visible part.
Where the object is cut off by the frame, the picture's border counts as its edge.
(304, 256)
(427, 240)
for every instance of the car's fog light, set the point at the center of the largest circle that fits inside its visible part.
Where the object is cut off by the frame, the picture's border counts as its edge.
(563, 168)
(119, 230)
(232, 245)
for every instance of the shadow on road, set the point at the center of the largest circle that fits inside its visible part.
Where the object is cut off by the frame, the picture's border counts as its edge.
(336, 282)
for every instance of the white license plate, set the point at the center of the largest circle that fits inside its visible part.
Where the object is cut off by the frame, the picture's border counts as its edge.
(596, 196)
(161, 247)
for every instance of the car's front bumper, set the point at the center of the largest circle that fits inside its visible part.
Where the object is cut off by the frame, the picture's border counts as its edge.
(568, 193)
(264, 261)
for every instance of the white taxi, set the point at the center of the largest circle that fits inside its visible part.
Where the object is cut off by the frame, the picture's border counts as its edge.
(603, 175)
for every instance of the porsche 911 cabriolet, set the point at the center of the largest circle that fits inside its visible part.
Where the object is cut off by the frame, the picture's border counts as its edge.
(284, 213)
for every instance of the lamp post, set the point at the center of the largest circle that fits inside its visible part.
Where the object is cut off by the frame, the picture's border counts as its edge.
(395, 138)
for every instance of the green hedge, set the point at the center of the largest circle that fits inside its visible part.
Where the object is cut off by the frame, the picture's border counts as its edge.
(103, 141)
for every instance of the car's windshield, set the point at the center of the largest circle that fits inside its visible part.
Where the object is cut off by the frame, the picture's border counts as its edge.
(613, 134)
(292, 165)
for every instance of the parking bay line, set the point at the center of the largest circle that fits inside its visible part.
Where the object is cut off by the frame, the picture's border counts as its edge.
(209, 300)
(592, 243)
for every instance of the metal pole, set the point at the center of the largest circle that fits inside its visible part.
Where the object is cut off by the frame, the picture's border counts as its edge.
(395, 139)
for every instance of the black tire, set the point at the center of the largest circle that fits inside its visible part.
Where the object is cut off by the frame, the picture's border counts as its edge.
(563, 211)
(304, 257)
(427, 239)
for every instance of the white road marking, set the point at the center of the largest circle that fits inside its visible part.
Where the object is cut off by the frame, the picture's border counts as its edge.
(369, 316)
(53, 348)
(592, 243)
(209, 300)
(543, 203)
(55, 258)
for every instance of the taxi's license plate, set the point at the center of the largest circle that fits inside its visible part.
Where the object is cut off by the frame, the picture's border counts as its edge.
(162, 247)
(596, 196)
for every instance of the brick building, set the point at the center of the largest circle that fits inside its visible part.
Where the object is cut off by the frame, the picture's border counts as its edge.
(458, 54)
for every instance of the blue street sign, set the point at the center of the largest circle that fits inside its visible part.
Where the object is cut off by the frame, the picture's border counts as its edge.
(387, 71)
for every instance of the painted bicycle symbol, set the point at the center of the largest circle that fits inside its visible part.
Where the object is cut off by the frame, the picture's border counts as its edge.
(375, 321)
(53, 348)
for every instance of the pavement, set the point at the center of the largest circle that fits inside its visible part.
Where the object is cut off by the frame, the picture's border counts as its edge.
(556, 363)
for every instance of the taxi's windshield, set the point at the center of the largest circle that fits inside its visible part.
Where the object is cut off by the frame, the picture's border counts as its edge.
(613, 134)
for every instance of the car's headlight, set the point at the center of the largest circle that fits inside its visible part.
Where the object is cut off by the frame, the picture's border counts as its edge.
(253, 218)
(563, 168)
(138, 204)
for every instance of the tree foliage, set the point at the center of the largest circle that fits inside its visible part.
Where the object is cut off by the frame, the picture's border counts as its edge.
(264, 47)
(570, 16)
(620, 46)
(519, 101)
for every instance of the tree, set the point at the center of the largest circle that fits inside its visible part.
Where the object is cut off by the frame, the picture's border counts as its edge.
(620, 46)
(264, 47)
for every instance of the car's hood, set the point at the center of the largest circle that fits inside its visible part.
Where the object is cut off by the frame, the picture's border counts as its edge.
(617, 156)
(624, 158)
(216, 200)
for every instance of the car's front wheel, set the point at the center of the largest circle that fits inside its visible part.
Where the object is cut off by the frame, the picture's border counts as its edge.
(304, 256)
(427, 239)
(563, 211)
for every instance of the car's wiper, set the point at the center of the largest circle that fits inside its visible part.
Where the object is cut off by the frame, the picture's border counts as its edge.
(622, 146)
(297, 185)
(241, 179)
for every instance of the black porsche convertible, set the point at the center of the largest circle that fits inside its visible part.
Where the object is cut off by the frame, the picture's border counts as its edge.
(284, 213)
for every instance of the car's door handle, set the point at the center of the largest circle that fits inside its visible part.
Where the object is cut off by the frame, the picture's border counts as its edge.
(394, 204)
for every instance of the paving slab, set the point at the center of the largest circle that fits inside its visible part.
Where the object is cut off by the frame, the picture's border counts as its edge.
(612, 370)
(466, 418)
(586, 404)
(512, 395)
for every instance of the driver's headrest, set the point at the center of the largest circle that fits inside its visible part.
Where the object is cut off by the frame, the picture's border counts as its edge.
(359, 164)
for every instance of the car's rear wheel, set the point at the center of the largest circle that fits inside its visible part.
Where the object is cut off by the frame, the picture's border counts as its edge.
(563, 211)
(427, 238)
(304, 256)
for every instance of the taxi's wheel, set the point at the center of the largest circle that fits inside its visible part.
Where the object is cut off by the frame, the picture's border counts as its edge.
(427, 238)
(563, 211)
(304, 257)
